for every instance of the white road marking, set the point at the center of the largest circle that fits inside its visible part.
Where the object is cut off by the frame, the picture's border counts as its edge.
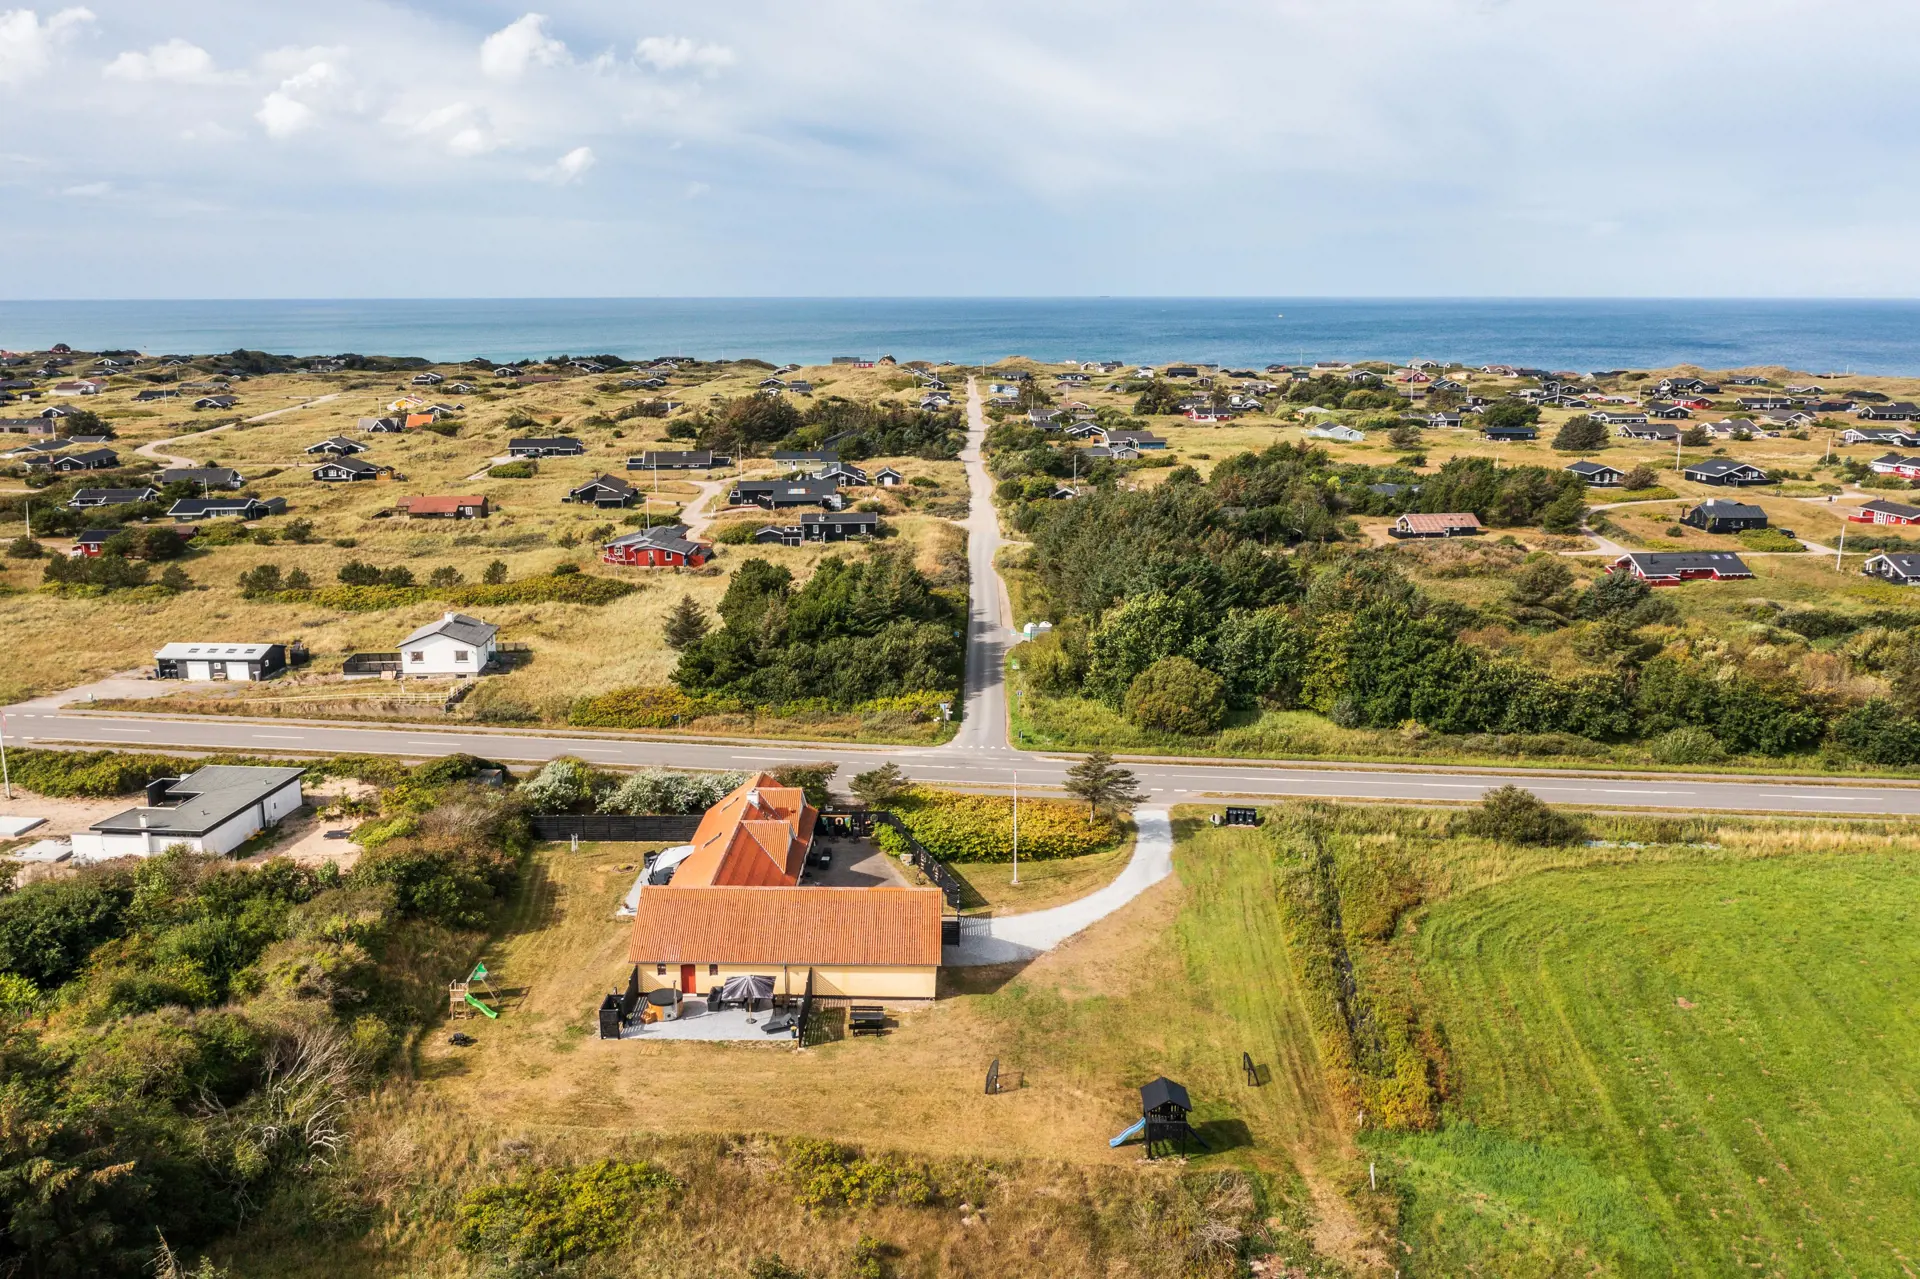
(277, 737)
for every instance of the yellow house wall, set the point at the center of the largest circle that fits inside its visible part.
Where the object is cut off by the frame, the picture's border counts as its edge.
(849, 980)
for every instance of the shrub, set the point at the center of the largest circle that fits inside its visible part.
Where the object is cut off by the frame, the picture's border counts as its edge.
(644, 706)
(525, 470)
(1516, 816)
(979, 828)
(736, 532)
(1688, 744)
(1175, 695)
(48, 929)
(25, 548)
(563, 588)
(656, 790)
(814, 779)
(826, 1174)
(1879, 734)
(563, 784)
(1640, 477)
(554, 1217)
(87, 774)
(1769, 539)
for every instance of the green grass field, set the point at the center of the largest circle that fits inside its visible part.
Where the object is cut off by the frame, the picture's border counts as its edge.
(1706, 1068)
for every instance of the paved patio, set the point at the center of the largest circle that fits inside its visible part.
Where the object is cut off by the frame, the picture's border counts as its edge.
(696, 1023)
(857, 863)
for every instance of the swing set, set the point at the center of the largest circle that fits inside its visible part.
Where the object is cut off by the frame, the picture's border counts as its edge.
(462, 1002)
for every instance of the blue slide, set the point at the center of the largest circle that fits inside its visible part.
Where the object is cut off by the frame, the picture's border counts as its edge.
(1134, 1131)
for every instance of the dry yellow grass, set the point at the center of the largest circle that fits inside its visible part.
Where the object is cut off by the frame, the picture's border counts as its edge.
(55, 643)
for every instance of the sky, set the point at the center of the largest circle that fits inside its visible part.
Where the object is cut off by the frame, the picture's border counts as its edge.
(1538, 148)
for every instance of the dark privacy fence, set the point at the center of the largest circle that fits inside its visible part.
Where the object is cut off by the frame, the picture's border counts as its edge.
(647, 826)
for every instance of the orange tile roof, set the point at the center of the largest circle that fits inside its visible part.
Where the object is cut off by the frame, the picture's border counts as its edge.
(758, 836)
(817, 926)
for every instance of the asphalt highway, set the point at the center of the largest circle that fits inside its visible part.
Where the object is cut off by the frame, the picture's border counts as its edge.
(1166, 783)
(979, 756)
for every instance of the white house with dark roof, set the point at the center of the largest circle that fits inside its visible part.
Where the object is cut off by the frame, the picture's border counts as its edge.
(1902, 567)
(213, 810)
(454, 645)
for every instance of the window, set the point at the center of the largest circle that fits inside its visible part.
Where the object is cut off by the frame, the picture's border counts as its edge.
(659, 970)
(461, 655)
(417, 655)
(713, 970)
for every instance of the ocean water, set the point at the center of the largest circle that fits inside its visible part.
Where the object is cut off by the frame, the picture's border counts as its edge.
(1807, 336)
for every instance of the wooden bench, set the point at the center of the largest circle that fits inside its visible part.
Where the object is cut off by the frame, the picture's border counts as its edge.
(867, 1019)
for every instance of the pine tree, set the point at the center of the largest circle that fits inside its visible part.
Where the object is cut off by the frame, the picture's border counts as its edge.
(687, 624)
(1103, 786)
(496, 573)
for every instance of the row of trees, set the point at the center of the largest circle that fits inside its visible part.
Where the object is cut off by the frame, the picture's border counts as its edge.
(1365, 649)
(1222, 536)
(754, 423)
(857, 630)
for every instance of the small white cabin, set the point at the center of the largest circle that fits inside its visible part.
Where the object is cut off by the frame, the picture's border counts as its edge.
(454, 645)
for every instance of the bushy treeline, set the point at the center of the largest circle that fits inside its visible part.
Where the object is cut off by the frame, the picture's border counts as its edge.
(1184, 602)
(1219, 536)
(755, 423)
(857, 630)
(180, 1036)
(1351, 638)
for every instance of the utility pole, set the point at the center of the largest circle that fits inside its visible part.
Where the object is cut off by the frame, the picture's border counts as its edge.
(6, 778)
(1016, 829)
(1842, 548)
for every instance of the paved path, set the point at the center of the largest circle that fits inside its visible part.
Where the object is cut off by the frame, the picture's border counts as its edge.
(157, 448)
(1009, 938)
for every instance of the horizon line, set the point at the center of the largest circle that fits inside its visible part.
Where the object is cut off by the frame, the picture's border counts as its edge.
(988, 297)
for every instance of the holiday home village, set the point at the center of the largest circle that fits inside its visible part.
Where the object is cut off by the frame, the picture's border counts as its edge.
(735, 907)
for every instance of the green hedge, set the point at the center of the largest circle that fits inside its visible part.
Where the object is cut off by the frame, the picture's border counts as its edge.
(565, 588)
(979, 828)
(102, 774)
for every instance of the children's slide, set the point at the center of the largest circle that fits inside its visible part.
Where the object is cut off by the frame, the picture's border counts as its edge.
(491, 1015)
(1134, 1131)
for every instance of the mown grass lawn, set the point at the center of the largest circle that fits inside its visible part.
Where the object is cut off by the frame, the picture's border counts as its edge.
(1701, 1068)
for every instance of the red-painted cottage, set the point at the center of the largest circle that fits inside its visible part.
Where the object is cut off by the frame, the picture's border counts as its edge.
(1881, 511)
(666, 546)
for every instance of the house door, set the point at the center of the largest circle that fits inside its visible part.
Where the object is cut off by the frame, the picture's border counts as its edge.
(688, 980)
(199, 670)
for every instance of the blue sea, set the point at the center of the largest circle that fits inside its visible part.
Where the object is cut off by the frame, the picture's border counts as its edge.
(1582, 335)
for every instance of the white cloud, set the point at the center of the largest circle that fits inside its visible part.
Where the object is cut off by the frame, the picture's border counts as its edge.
(291, 108)
(570, 167)
(27, 44)
(472, 140)
(176, 60)
(508, 52)
(89, 190)
(461, 127)
(672, 53)
(283, 116)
